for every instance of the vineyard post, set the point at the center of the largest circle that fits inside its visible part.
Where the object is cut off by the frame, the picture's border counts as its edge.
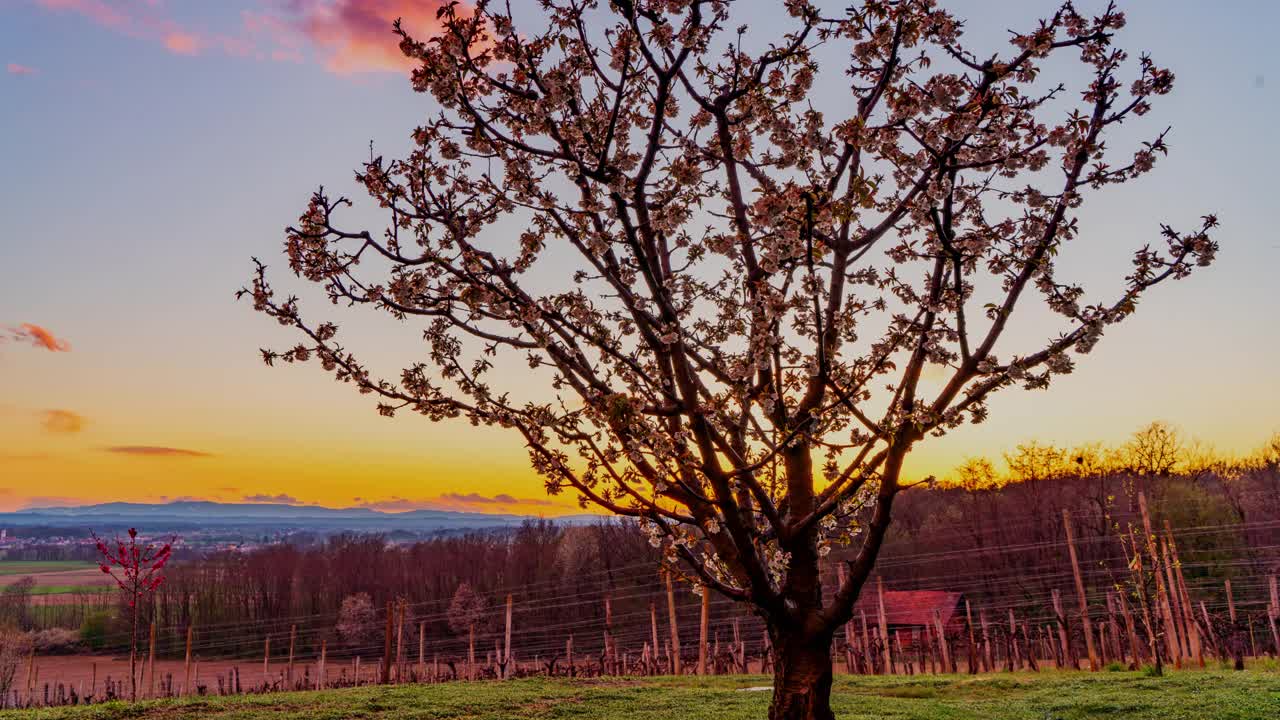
(151, 661)
(1273, 615)
(1235, 641)
(866, 644)
(848, 626)
(702, 630)
(1175, 603)
(471, 651)
(422, 649)
(506, 648)
(1062, 628)
(288, 672)
(1188, 609)
(186, 663)
(607, 667)
(266, 659)
(1032, 650)
(986, 642)
(323, 669)
(653, 626)
(1134, 647)
(1162, 597)
(947, 663)
(1084, 601)
(674, 650)
(386, 644)
(973, 657)
(1015, 652)
(884, 627)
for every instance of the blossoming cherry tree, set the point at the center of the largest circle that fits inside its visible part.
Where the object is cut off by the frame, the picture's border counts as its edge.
(720, 288)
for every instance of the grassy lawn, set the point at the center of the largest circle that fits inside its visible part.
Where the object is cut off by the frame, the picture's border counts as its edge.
(1049, 696)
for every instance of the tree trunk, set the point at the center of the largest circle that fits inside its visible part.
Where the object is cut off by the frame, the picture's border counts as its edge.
(801, 676)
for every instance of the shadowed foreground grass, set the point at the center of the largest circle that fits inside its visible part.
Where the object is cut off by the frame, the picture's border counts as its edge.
(1049, 696)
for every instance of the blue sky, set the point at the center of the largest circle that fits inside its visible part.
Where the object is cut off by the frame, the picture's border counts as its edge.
(139, 179)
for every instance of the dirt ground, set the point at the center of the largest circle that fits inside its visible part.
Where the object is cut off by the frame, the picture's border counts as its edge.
(82, 671)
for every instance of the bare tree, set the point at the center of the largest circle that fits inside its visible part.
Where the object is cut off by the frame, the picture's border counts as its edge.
(702, 302)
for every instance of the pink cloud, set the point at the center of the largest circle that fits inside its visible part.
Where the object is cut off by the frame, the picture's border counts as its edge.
(346, 36)
(134, 18)
(16, 69)
(182, 43)
(99, 11)
(454, 501)
(356, 35)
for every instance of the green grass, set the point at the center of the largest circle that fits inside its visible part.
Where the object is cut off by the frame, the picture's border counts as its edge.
(1048, 696)
(67, 589)
(30, 567)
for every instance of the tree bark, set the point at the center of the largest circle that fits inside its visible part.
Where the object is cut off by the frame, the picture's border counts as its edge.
(801, 675)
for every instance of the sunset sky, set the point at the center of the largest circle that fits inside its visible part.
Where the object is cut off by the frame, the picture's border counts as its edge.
(148, 148)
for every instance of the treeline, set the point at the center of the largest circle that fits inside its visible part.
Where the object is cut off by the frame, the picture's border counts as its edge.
(998, 537)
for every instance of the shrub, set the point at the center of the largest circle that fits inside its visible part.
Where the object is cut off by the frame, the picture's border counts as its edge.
(56, 641)
(357, 622)
(93, 631)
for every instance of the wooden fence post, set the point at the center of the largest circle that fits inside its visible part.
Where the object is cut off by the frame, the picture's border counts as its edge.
(322, 671)
(1084, 602)
(266, 661)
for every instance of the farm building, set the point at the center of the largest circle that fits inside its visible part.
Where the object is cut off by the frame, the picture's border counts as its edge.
(908, 612)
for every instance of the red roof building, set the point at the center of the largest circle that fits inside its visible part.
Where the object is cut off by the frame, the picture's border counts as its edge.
(908, 612)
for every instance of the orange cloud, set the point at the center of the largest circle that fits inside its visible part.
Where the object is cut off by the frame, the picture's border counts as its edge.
(155, 451)
(16, 69)
(182, 43)
(39, 337)
(63, 422)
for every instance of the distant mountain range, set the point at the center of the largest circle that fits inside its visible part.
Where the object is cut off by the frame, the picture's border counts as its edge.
(199, 513)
